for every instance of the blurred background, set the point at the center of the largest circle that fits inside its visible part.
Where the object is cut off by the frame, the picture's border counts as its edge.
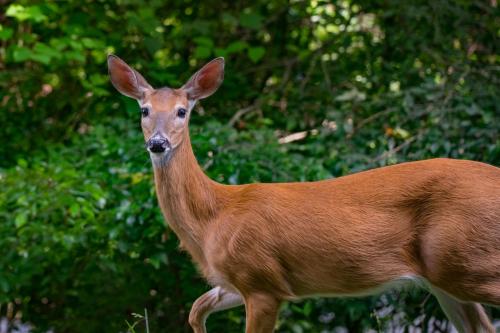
(313, 90)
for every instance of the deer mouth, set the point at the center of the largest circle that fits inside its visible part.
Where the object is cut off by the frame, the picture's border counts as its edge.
(162, 157)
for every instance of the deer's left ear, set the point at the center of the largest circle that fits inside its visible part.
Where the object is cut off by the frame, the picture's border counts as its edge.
(125, 79)
(205, 81)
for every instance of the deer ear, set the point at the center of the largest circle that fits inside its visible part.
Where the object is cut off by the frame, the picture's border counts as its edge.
(205, 81)
(125, 79)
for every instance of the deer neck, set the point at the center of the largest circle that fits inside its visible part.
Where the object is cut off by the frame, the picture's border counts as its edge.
(188, 199)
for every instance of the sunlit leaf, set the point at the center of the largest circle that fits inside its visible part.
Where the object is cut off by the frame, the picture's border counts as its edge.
(21, 219)
(21, 13)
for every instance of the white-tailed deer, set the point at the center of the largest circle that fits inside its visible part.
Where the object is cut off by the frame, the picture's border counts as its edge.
(435, 221)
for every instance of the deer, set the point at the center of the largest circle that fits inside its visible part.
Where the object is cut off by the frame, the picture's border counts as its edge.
(434, 223)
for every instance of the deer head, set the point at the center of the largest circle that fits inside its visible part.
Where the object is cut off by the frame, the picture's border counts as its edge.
(165, 111)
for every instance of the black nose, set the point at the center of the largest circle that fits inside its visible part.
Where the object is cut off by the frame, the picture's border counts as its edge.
(157, 144)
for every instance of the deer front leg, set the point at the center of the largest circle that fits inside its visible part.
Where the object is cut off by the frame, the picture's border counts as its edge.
(261, 313)
(214, 300)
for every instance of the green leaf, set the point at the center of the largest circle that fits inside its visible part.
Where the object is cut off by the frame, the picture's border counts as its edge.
(92, 43)
(256, 53)
(251, 20)
(152, 44)
(220, 52)
(401, 133)
(5, 33)
(236, 47)
(20, 54)
(43, 53)
(22, 163)
(308, 307)
(42, 58)
(205, 41)
(229, 19)
(74, 55)
(21, 219)
(59, 43)
(4, 285)
(45, 49)
(202, 52)
(74, 209)
(98, 79)
(76, 44)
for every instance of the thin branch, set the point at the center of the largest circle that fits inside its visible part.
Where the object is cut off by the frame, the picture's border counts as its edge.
(396, 149)
(374, 116)
(293, 137)
(146, 319)
(309, 72)
(241, 112)
(327, 77)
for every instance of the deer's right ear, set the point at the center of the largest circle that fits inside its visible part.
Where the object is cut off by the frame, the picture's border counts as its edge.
(206, 81)
(125, 79)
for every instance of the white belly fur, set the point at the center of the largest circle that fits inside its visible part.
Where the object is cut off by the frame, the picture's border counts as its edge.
(401, 282)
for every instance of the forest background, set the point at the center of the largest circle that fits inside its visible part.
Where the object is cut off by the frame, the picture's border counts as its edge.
(313, 90)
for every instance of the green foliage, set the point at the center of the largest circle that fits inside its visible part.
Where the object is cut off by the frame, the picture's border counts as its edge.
(344, 86)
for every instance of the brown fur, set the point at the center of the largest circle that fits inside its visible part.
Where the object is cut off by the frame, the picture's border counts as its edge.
(438, 220)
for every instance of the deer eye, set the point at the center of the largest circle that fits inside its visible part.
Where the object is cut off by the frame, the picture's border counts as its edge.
(181, 113)
(144, 112)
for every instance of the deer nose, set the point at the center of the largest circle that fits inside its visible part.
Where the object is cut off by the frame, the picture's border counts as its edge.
(157, 144)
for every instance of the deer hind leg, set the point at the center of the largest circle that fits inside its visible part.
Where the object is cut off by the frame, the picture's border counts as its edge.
(466, 317)
(214, 300)
(261, 313)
